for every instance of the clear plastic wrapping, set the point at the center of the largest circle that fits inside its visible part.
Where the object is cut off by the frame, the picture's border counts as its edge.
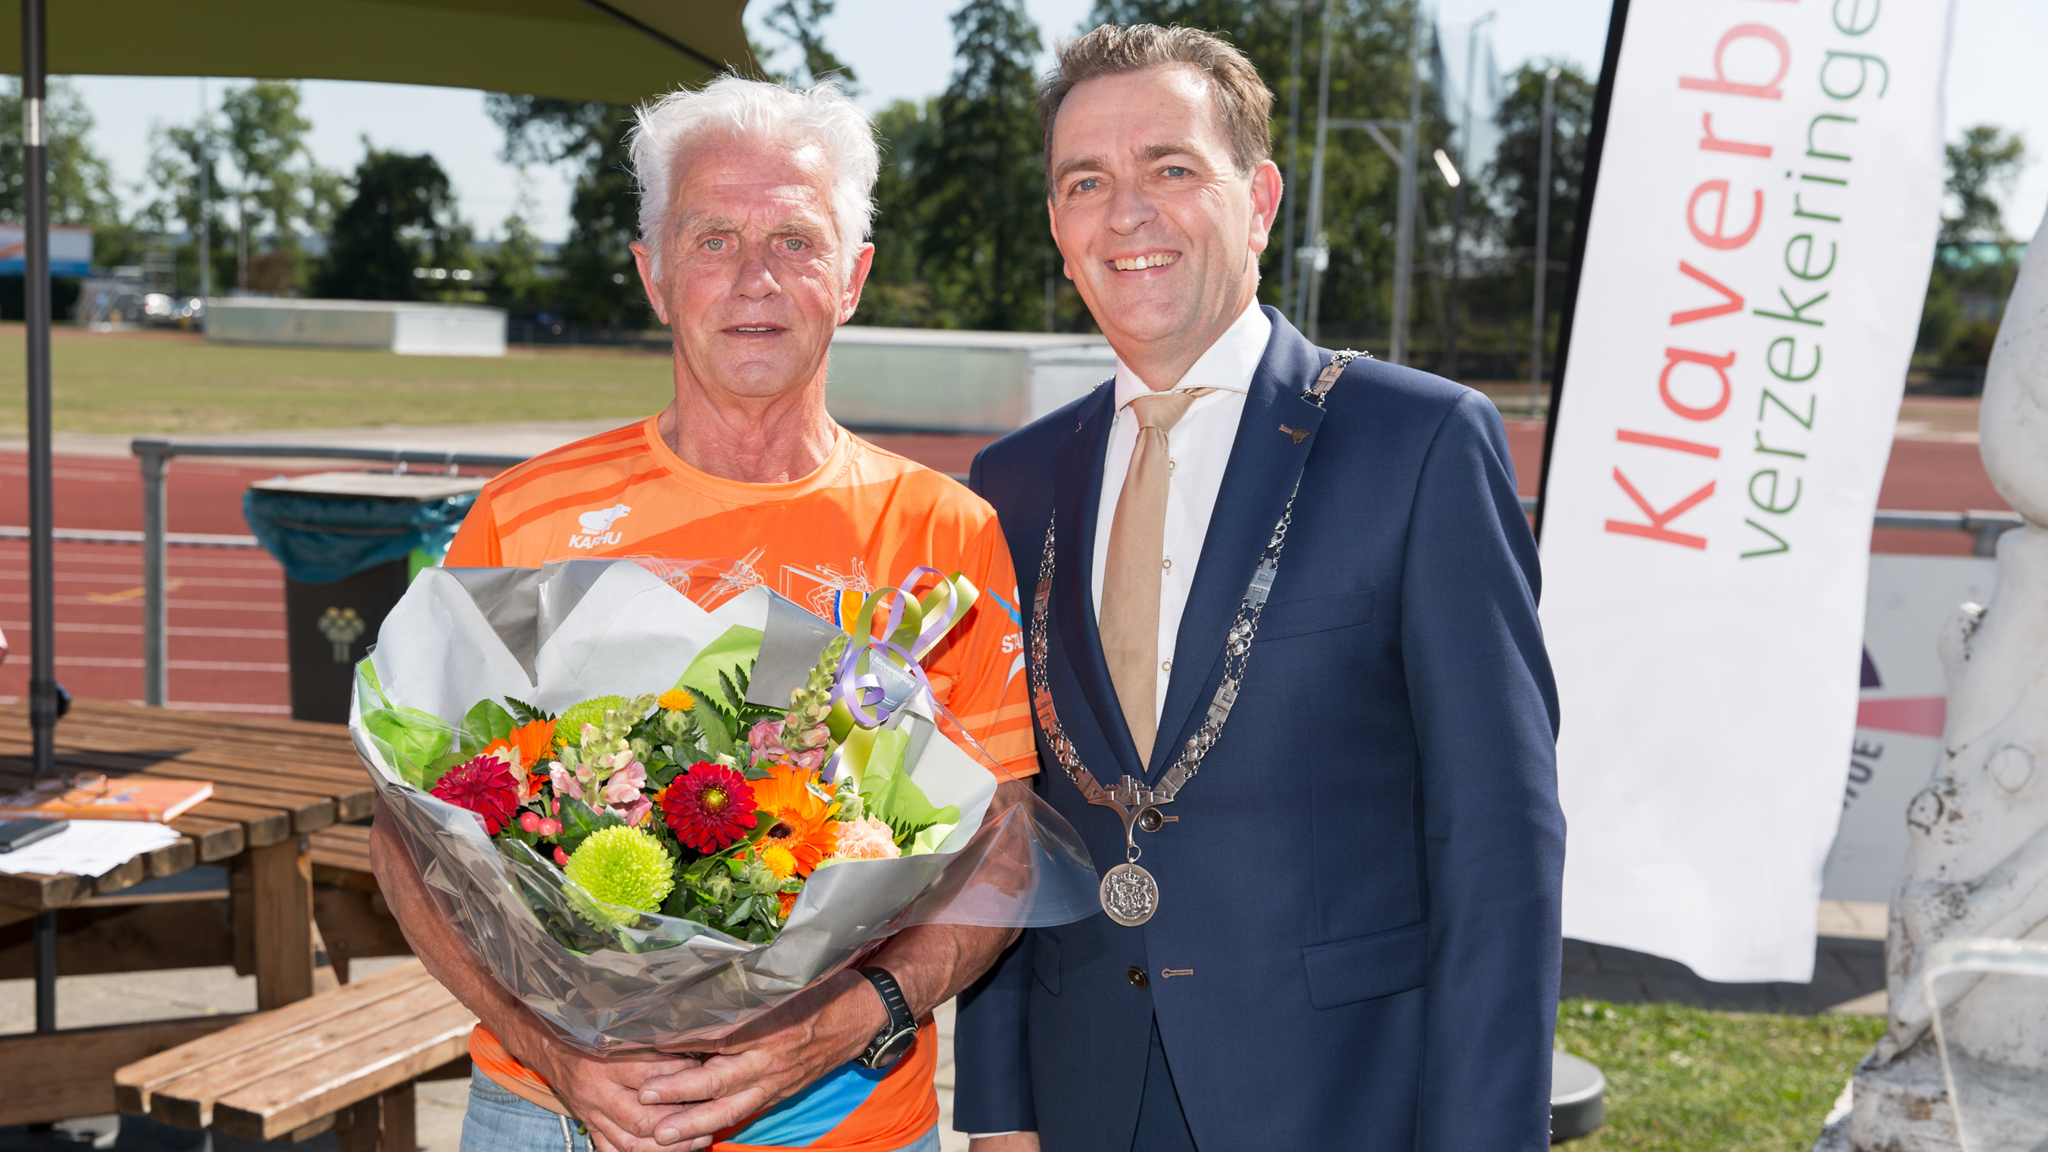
(579, 629)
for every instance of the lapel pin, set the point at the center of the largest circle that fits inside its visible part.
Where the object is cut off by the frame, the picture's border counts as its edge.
(1299, 434)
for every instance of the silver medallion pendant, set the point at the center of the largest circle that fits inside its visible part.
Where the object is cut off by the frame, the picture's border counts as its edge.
(1129, 895)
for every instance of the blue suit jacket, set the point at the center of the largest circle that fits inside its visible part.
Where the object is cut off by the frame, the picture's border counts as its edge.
(1364, 875)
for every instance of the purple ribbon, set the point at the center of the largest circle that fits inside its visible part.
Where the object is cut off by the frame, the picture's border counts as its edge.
(862, 691)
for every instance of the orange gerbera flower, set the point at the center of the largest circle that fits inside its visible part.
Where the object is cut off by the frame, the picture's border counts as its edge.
(529, 742)
(675, 700)
(804, 831)
(786, 791)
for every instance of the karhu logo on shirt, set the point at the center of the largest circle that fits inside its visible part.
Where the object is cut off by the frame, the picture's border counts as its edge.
(597, 527)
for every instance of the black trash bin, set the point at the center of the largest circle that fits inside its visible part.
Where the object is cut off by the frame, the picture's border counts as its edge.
(350, 542)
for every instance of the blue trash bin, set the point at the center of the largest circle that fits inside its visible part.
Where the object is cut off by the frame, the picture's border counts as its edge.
(349, 542)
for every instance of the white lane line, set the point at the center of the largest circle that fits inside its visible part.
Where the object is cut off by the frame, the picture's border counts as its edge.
(136, 630)
(204, 706)
(185, 605)
(174, 665)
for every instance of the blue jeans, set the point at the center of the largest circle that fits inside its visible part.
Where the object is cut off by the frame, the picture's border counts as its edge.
(498, 1121)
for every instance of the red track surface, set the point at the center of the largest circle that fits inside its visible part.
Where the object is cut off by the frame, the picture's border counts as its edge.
(227, 650)
(226, 606)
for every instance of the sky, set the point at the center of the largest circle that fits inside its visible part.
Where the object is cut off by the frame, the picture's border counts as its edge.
(903, 49)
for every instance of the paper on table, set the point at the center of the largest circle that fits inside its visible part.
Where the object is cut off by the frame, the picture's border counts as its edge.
(88, 848)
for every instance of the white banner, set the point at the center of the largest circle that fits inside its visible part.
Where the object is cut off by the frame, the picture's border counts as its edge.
(1762, 228)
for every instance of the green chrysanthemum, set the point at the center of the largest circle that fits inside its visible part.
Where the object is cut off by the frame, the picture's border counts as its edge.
(569, 727)
(624, 867)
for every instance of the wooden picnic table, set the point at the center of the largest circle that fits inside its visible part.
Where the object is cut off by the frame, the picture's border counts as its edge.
(276, 783)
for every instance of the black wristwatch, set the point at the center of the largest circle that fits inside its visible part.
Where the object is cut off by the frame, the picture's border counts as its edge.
(899, 1033)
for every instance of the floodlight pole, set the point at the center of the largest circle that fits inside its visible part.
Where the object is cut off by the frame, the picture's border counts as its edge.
(1404, 213)
(1450, 319)
(42, 585)
(1287, 254)
(1542, 238)
(1305, 318)
(205, 200)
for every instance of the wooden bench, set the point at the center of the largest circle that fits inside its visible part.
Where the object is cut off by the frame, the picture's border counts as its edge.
(354, 920)
(277, 785)
(344, 1060)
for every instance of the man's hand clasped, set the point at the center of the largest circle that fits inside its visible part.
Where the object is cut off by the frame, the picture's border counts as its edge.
(764, 1062)
(604, 1093)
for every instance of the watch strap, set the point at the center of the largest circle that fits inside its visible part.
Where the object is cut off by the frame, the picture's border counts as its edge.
(900, 1018)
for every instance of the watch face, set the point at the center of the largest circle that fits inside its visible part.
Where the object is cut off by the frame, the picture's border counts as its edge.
(892, 1049)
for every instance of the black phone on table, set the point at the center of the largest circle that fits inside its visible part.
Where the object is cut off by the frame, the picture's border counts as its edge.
(21, 833)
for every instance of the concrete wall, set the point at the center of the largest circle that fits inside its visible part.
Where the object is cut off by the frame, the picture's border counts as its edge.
(915, 379)
(409, 329)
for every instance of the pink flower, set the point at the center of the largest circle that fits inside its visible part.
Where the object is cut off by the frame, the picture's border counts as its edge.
(625, 784)
(809, 761)
(766, 739)
(866, 839)
(563, 782)
(637, 812)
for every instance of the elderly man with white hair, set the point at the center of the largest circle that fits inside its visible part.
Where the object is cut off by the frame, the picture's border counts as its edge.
(755, 207)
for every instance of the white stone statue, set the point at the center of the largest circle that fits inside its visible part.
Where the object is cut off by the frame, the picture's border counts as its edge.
(1978, 864)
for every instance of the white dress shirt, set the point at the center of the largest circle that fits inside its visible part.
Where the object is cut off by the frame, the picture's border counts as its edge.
(1198, 448)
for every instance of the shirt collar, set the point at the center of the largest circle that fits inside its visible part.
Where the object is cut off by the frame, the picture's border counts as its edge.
(1227, 364)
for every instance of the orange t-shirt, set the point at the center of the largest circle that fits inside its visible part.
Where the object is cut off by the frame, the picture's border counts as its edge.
(861, 521)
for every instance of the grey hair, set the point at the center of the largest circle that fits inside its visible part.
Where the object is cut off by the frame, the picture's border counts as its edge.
(739, 108)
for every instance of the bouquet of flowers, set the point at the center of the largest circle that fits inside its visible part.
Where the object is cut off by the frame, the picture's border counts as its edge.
(675, 818)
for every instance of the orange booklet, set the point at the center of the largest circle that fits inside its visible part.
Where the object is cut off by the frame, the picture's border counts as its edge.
(91, 796)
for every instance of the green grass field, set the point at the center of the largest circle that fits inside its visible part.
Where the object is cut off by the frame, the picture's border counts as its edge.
(174, 382)
(1687, 1080)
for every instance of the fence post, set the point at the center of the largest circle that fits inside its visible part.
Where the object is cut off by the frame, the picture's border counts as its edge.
(1985, 529)
(155, 456)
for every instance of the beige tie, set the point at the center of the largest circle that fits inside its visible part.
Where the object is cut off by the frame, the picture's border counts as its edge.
(1131, 576)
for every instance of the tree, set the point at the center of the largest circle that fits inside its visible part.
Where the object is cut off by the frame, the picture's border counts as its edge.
(1513, 175)
(277, 185)
(399, 229)
(81, 187)
(798, 21)
(598, 284)
(1369, 75)
(1982, 167)
(980, 175)
(176, 154)
(896, 293)
(1976, 260)
(517, 281)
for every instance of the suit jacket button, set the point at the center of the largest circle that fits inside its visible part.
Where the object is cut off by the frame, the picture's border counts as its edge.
(1136, 976)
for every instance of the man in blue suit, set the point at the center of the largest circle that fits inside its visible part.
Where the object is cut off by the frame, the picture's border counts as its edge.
(1307, 577)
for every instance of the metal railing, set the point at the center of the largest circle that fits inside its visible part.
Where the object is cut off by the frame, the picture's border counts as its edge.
(155, 455)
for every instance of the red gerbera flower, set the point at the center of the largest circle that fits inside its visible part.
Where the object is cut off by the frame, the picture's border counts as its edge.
(486, 787)
(708, 807)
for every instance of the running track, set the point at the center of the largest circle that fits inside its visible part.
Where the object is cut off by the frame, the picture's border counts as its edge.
(227, 649)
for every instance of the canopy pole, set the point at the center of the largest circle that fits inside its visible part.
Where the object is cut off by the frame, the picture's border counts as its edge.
(35, 195)
(42, 684)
